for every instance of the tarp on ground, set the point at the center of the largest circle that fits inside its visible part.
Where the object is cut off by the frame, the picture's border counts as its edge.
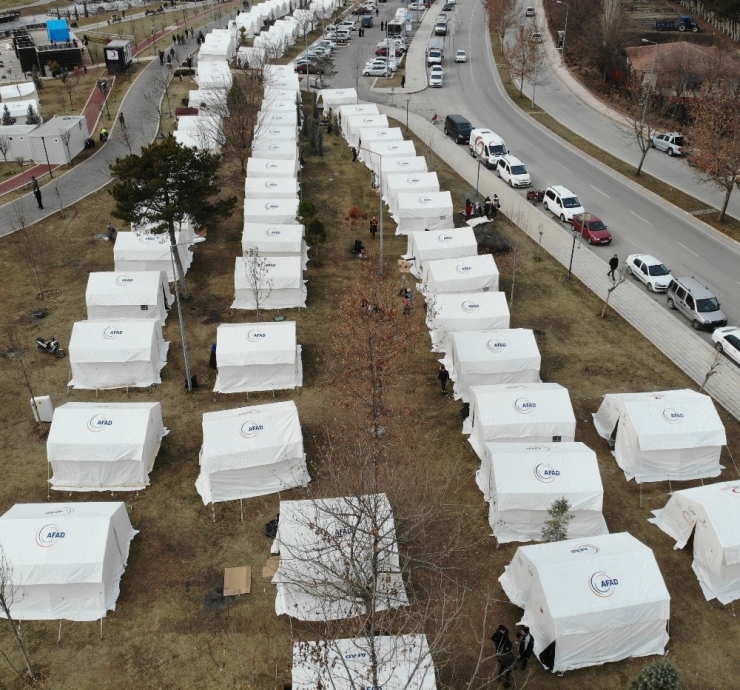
(597, 600)
(278, 280)
(521, 481)
(273, 211)
(275, 240)
(144, 252)
(251, 451)
(116, 354)
(104, 446)
(257, 357)
(270, 188)
(673, 435)
(111, 296)
(467, 274)
(316, 539)
(712, 514)
(480, 358)
(519, 412)
(68, 558)
(466, 311)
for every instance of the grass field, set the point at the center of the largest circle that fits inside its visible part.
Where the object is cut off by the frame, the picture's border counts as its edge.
(166, 631)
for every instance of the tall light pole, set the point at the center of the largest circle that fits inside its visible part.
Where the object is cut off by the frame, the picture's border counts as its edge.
(650, 77)
(565, 30)
(378, 181)
(180, 316)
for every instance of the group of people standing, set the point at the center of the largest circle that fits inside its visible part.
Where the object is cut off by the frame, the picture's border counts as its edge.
(507, 661)
(489, 208)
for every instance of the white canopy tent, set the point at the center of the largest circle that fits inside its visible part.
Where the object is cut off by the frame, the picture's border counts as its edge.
(18, 91)
(468, 274)
(371, 135)
(211, 97)
(220, 45)
(403, 165)
(480, 358)
(251, 21)
(272, 93)
(409, 183)
(288, 29)
(145, 252)
(673, 435)
(104, 446)
(111, 296)
(275, 240)
(185, 228)
(521, 481)
(264, 167)
(116, 354)
(453, 312)
(402, 663)
(426, 211)
(356, 123)
(331, 99)
(278, 118)
(589, 603)
(271, 188)
(272, 211)
(712, 513)
(278, 280)
(68, 558)
(377, 151)
(257, 357)
(345, 111)
(212, 74)
(519, 413)
(438, 244)
(251, 451)
(273, 149)
(288, 81)
(317, 538)
(286, 134)
(200, 141)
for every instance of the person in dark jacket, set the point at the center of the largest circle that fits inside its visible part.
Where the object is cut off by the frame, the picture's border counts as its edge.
(444, 376)
(504, 655)
(526, 645)
(613, 265)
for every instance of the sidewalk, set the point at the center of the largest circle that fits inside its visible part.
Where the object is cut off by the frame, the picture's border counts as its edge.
(671, 336)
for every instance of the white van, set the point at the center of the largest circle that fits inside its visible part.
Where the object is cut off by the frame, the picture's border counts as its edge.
(562, 202)
(487, 146)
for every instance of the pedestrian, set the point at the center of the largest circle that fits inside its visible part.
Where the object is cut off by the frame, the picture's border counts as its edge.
(36, 191)
(468, 209)
(122, 120)
(403, 81)
(495, 206)
(613, 264)
(444, 376)
(174, 39)
(377, 12)
(526, 646)
(161, 57)
(477, 209)
(504, 655)
(373, 226)
(110, 232)
(406, 306)
(354, 154)
(487, 207)
(381, 26)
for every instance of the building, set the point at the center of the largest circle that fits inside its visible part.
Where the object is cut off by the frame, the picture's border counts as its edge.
(59, 140)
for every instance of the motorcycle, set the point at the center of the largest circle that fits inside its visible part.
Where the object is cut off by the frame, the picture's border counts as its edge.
(50, 347)
(535, 196)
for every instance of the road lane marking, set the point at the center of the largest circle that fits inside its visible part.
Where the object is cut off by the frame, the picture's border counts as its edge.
(563, 167)
(641, 218)
(599, 191)
(687, 249)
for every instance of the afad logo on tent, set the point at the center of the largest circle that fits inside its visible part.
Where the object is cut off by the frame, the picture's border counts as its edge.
(124, 280)
(250, 429)
(538, 448)
(524, 405)
(273, 232)
(495, 345)
(732, 489)
(270, 184)
(270, 166)
(112, 332)
(369, 119)
(402, 164)
(585, 549)
(48, 535)
(602, 585)
(463, 268)
(413, 179)
(672, 416)
(470, 306)
(274, 147)
(272, 206)
(60, 511)
(689, 515)
(256, 336)
(99, 422)
(545, 473)
(445, 238)
(424, 199)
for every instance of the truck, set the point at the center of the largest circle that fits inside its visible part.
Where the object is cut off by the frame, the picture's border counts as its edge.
(673, 143)
(683, 23)
(435, 43)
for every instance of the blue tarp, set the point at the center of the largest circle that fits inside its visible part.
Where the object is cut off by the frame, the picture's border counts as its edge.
(57, 30)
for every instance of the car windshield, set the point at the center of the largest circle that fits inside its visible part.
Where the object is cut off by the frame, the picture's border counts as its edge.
(596, 225)
(465, 126)
(571, 202)
(518, 170)
(499, 150)
(707, 305)
(658, 270)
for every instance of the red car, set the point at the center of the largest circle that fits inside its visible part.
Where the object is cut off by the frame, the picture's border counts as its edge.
(384, 51)
(303, 67)
(362, 10)
(591, 228)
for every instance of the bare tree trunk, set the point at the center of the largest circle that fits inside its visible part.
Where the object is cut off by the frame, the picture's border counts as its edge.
(642, 160)
(180, 273)
(723, 210)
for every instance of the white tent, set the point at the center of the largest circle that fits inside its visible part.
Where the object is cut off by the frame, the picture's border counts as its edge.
(145, 252)
(519, 413)
(251, 451)
(275, 240)
(453, 312)
(68, 558)
(331, 99)
(112, 296)
(257, 357)
(426, 211)
(468, 274)
(273, 149)
(251, 21)
(104, 446)
(116, 354)
(345, 111)
(275, 72)
(371, 135)
(185, 228)
(479, 358)
(278, 118)
(272, 93)
(220, 45)
(287, 81)
(438, 244)
(589, 603)
(272, 211)
(712, 513)
(286, 134)
(264, 167)
(667, 435)
(278, 280)
(520, 482)
(19, 109)
(405, 165)
(213, 75)
(271, 188)
(17, 92)
(409, 183)
(210, 97)
(353, 125)
(402, 663)
(377, 151)
(317, 538)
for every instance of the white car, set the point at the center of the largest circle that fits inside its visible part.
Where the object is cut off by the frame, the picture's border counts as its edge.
(461, 56)
(727, 340)
(392, 67)
(436, 69)
(347, 24)
(376, 71)
(512, 171)
(529, 12)
(326, 43)
(435, 80)
(650, 271)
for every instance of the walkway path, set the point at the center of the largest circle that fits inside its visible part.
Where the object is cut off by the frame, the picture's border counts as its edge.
(675, 339)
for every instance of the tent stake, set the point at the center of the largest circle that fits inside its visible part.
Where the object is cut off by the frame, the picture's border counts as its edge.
(101, 628)
(241, 507)
(59, 636)
(640, 495)
(213, 512)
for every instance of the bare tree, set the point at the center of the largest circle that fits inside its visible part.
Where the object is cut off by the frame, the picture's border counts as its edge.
(519, 56)
(20, 159)
(69, 87)
(356, 64)
(538, 73)
(502, 16)
(5, 146)
(257, 271)
(8, 592)
(713, 368)
(15, 355)
(517, 260)
(65, 136)
(26, 244)
(612, 31)
(621, 277)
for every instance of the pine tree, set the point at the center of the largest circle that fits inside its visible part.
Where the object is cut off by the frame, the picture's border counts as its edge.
(661, 674)
(315, 233)
(7, 118)
(556, 528)
(32, 117)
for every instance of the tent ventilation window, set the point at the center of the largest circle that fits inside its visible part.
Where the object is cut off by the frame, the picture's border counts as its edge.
(557, 439)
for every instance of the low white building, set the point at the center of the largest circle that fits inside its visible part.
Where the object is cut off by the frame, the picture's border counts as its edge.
(18, 140)
(418, 183)
(59, 140)
(264, 167)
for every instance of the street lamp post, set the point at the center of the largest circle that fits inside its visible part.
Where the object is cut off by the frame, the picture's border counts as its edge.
(576, 235)
(377, 182)
(565, 30)
(180, 316)
(407, 114)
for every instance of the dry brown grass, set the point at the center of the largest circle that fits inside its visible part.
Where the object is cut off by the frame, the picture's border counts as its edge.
(162, 634)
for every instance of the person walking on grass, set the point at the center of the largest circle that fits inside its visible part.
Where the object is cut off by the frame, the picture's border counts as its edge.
(504, 655)
(354, 154)
(36, 191)
(403, 81)
(373, 226)
(526, 646)
(444, 376)
(613, 265)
